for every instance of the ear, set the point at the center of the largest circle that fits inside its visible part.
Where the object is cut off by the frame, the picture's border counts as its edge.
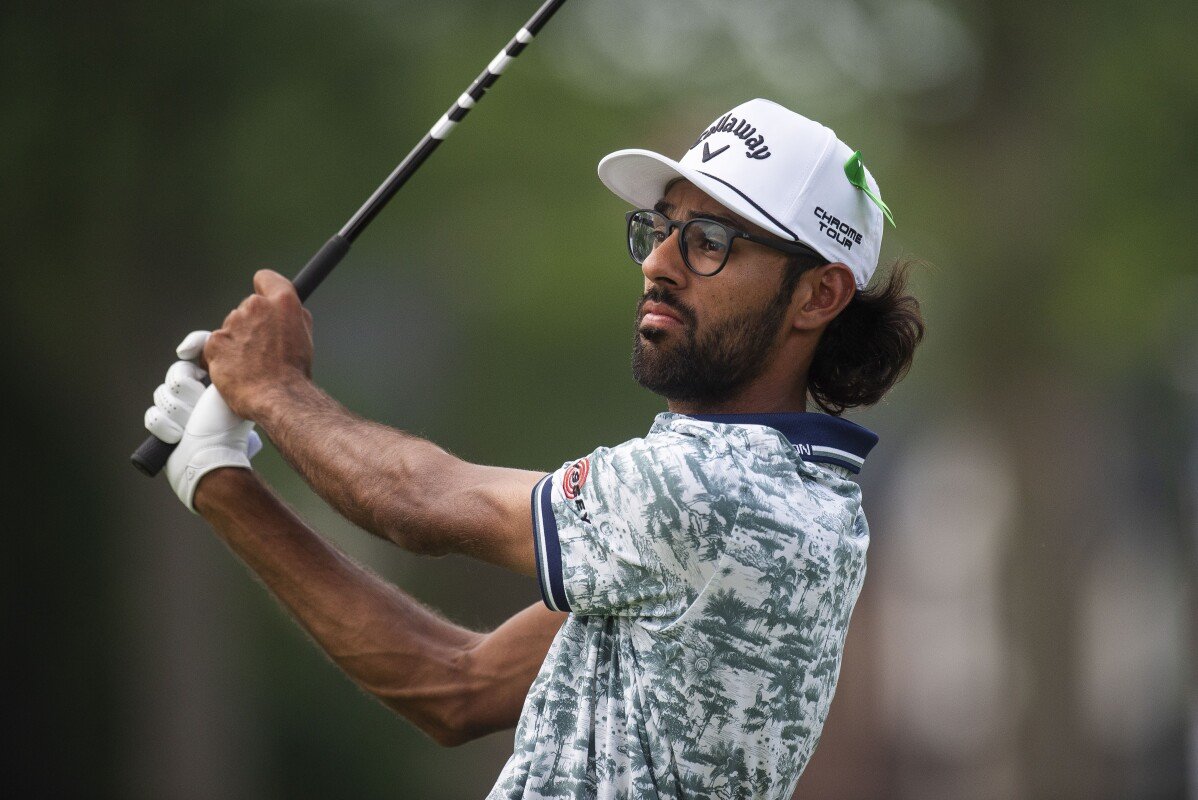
(822, 294)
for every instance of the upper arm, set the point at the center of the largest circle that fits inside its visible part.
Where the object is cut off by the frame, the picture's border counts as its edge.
(485, 513)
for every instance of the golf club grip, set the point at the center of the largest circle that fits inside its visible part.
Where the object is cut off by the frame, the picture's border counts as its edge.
(319, 266)
(150, 457)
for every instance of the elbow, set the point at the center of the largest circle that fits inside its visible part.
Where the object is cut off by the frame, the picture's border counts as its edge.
(417, 538)
(421, 519)
(464, 724)
(460, 719)
(438, 725)
(444, 706)
(442, 731)
(450, 737)
(400, 521)
(408, 522)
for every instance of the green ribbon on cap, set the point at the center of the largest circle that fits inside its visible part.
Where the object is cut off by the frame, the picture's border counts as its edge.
(854, 170)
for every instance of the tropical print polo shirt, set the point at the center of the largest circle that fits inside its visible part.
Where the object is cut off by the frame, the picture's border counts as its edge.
(710, 569)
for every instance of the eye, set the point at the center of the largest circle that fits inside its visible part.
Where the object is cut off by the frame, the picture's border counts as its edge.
(708, 239)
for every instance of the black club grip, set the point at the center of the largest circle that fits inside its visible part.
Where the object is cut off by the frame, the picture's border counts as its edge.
(319, 266)
(151, 456)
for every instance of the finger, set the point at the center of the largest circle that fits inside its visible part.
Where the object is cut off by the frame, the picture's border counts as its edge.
(308, 320)
(183, 380)
(162, 426)
(175, 409)
(186, 369)
(254, 445)
(268, 282)
(192, 345)
(218, 335)
(231, 318)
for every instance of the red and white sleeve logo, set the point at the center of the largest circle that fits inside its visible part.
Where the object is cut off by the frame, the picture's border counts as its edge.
(575, 477)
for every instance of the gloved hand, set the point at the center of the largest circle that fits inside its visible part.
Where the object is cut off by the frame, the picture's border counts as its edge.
(209, 434)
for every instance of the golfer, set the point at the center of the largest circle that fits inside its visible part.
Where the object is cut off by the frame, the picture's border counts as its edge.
(696, 583)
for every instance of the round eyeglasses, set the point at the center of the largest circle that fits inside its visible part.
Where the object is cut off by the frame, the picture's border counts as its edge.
(705, 243)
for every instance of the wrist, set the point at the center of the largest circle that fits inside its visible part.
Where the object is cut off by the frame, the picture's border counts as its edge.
(280, 399)
(222, 489)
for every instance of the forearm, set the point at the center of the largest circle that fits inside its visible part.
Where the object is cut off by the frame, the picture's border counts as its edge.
(392, 484)
(399, 486)
(417, 663)
(375, 476)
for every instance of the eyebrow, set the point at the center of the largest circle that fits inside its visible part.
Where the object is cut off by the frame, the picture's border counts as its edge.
(662, 207)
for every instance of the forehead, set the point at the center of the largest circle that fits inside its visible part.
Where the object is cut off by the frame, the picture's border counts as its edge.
(684, 200)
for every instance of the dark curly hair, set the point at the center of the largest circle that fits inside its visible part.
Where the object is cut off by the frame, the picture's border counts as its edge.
(869, 346)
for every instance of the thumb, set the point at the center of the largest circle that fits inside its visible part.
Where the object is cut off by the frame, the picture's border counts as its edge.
(192, 345)
(212, 415)
(268, 282)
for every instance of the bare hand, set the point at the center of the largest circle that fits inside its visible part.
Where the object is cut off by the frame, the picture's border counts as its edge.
(264, 345)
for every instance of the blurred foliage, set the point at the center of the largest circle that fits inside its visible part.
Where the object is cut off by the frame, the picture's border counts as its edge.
(1039, 156)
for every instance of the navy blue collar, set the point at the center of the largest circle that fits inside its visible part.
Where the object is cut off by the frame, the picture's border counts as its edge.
(816, 437)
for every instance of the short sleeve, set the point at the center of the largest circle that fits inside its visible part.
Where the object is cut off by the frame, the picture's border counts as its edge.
(634, 530)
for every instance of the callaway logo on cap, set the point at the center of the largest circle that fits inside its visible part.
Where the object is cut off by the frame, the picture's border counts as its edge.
(788, 174)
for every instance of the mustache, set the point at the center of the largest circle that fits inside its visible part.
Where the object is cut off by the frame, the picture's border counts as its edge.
(658, 294)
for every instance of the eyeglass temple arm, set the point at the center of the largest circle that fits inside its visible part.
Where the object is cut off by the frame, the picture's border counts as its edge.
(796, 248)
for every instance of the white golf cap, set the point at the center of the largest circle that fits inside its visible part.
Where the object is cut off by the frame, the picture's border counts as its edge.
(786, 173)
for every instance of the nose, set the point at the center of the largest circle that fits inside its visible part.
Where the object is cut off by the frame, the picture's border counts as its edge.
(664, 266)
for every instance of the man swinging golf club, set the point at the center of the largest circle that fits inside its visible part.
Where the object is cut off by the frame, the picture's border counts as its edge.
(707, 571)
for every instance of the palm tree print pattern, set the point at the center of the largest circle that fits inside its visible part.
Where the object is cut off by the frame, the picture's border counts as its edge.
(710, 574)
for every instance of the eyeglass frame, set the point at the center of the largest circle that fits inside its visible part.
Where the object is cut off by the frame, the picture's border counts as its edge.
(773, 242)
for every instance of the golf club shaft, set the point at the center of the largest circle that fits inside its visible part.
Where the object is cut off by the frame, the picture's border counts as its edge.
(151, 456)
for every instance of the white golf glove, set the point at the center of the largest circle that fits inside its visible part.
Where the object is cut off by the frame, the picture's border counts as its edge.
(208, 433)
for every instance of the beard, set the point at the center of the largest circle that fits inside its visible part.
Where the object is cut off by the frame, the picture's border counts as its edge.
(705, 365)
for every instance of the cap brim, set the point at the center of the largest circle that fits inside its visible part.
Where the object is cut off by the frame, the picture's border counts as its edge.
(640, 177)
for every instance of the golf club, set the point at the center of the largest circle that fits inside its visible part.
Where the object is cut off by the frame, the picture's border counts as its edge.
(153, 453)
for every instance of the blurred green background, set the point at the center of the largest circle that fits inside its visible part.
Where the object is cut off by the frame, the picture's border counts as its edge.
(1028, 626)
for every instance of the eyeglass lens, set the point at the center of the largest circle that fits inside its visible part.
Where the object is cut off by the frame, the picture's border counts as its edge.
(704, 243)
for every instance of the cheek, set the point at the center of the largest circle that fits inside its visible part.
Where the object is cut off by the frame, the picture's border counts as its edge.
(733, 300)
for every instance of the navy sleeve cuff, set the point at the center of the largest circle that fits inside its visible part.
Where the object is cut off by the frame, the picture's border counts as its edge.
(548, 549)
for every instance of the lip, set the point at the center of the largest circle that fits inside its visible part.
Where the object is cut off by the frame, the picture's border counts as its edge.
(658, 315)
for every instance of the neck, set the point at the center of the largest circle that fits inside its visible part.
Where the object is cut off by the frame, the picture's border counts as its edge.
(755, 399)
